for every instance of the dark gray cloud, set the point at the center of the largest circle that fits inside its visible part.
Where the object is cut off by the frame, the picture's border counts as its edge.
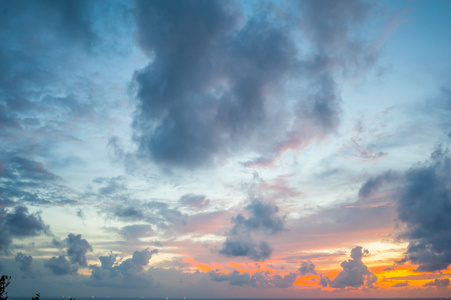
(374, 183)
(127, 274)
(262, 218)
(438, 283)
(245, 246)
(194, 201)
(217, 77)
(258, 279)
(18, 223)
(60, 266)
(424, 207)
(77, 247)
(307, 267)
(354, 274)
(25, 264)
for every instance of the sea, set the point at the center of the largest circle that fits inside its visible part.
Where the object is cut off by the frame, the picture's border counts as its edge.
(161, 298)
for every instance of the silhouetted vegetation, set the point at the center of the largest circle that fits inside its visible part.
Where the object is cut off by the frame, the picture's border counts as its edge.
(4, 282)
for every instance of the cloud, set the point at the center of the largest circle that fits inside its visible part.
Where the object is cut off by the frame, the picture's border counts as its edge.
(194, 201)
(262, 218)
(438, 283)
(25, 264)
(354, 274)
(27, 180)
(136, 231)
(76, 252)
(158, 214)
(242, 246)
(220, 80)
(60, 266)
(77, 249)
(19, 224)
(374, 183)
(258, 279)
(401, 284)
(128, 274)
(424, 207)
(307, 267)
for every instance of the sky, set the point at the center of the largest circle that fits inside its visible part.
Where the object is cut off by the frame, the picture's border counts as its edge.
(252, 149)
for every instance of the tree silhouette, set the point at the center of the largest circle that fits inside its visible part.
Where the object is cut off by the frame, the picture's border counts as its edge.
(4, 282)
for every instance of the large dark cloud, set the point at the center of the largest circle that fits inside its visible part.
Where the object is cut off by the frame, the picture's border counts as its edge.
(423, 203)
(424, 207)
(77, 247)
(258, 279)
(218, 80)
(263, 218)
(127, 274)
(354, 274)
(18, 223)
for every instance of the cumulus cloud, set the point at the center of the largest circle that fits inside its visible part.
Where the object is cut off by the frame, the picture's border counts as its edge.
(262, 218)
(438, 283)
(18, 223)
(219, 79)
(354, 274)
(127, 274)
(77, 249)
(424, 207)
(60, 266)
(76, 253)
(307, 267)
(258, 279)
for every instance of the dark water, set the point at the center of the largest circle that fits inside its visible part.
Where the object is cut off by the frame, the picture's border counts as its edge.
(139, 298)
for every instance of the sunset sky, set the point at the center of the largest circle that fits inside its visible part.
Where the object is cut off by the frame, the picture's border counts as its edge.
(291, 149)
